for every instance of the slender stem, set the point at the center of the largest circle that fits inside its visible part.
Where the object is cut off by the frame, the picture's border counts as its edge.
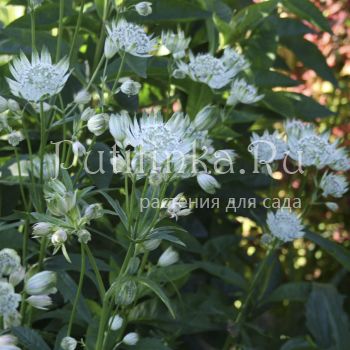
(76, 31)
(102, 32)
(95, 73)
(101, 287)
(103, 320)
(119, 71)
(60, 31)
(42, 141)
(80, 286)
(32, 25)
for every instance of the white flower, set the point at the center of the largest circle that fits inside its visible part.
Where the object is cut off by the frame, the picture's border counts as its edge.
(131, 338)
(59, 237)
(207, 182)
(69, 343)
(9, 261)
(129, 37)
(9, 300)
(87, 114)
(8, 342)
(310, 148)
(3, 104)
(84, 236)
(78, 149)
(332, 206)
(115, 322)
(340, 160)
(39, 78)
(51, 166)
(13, 105)
(119, 126)
(82, 97)
(177, 207)
(268, 147)
(17, 276)
(333, 185)
(40, 301)
(98, 124)
(285, 225)
(215, 72)
(168, 257)
(176, 43)
(42, 229)
(13, 319)
(243, 92)
(144, 8)
(41, 283)
(206, 118)
(15, 137)
(130, 87)
(294, 127)
(93, 211)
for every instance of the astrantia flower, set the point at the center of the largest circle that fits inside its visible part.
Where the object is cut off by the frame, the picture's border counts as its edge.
(115, 322)
(176, 43)
(168, 257)
(129, 37)
(69, 343)
(9, 300)
(285, 225)
(131, 338)
(207, 182)
(267, 147)
(39, 78)
(42, 283)
(130, 87)
(310, 148)
(340, 160)
(98, 123)
(8, 342)
(294, 127)
(144, 8)
(9, 261)
(15, 137)
(215, 72)
(242, 92)
(177, 207)
(333, 185)
(41, 302)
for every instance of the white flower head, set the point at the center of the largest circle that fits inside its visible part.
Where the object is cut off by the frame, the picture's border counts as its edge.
(131, 338)
(41, 302)
(295, 127)
(84, 236)
(43, 282)
(340, 160)
(41, 229)
(285, 225)
(177, 206)
(243, 92)
(176, 43)
(82, 97)
(333, 185)
(78, 149)
(268, 147)
(215, 72)
(98, 123)
(39, 78)
(93, 211)
(69, 343)
(310, 148)
(9, 261)
(59, 237)
(207, 182)
(15, 137)
(168, 257)
(144, 8)
(9, 300)
(129, 37)
(115, 322)
(130, 87)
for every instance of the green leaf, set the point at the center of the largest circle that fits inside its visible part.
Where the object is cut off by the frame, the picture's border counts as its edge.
(199, 95)
(297, 344)
(100, 5)
(311, 56)
(292, 291)
(269, 79)
(137, 64)
(150, 344)
(172, 272)
(305, 9)
(29, 338)
(334, 249)
(158, 291)
(326, 319)
(279, 103)
(165, 235)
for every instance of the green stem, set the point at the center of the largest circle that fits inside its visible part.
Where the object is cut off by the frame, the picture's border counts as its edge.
(119, 71)
(60, 31)
(76, 31)
(77, 295)
(103, 320)
(102, 32)
(95, 73)
(32, 25)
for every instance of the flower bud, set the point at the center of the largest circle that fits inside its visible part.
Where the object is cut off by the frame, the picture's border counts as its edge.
(34, 4)
(93, 211)
(14, 138)
(98, 124)
(332, 206)
(41, 283)
(266, 239)
(119, 164)
(8, 342)
(3, 104)
(40, 301)
(130, 87)
(78, 149)
(206, 118)
(59, 237)
(207, 182)
(13, 105)
(110, 48)
(133, 266)
(144, 8)
(37, 106)
(115, 322)
(169, 257)
(42, 229)
(119, 125)
(87, 114)
(152, 244)
(82, 97)
(179, 74)
(126, 294)
(131, 338)
(68, 343)
(9, 261)
(84, 236)
(17, 276)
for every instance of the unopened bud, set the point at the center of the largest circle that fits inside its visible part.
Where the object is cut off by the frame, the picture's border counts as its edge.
(82, 97)
(78, 149)
(98, 124)
(41, 283)
(68, 343)
(144, 8)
